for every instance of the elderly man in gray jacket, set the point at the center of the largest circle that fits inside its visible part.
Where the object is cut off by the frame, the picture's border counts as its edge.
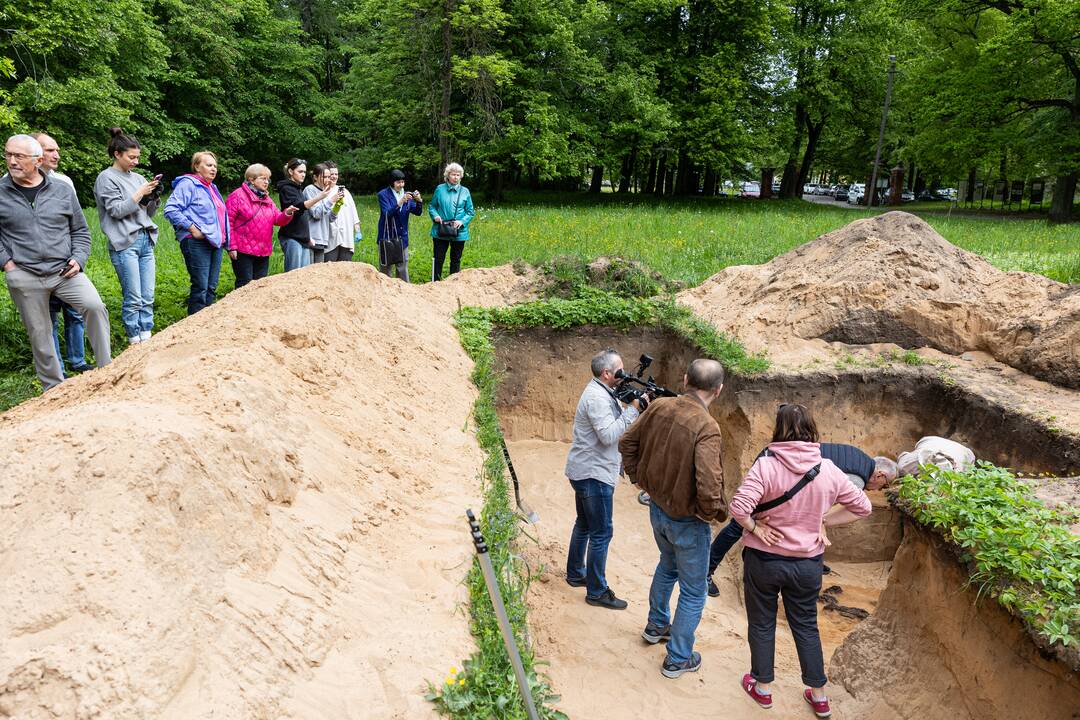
(44, 246)
(593, 467)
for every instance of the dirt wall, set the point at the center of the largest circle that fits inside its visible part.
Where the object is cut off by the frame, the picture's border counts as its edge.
(930, 650)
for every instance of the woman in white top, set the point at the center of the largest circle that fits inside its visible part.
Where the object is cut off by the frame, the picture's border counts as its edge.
(344, 223)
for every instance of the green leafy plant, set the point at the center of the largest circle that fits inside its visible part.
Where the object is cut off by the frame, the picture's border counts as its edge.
(1022, 552)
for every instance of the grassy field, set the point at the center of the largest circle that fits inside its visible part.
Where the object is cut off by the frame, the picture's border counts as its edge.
(685, 240)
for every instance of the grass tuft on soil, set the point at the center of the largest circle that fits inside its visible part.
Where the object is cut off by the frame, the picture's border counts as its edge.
(1021, 552)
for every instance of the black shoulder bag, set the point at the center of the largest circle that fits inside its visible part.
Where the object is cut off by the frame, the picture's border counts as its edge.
(790, 492)
(391, 248)
(445, 230)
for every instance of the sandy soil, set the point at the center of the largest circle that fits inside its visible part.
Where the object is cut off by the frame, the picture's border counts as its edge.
(258, 514)
(599, 662)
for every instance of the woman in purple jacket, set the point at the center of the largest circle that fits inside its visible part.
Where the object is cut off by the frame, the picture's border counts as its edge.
(197, 212)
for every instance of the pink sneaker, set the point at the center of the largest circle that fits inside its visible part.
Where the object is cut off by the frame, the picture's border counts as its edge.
(821, 707)
(749, 684)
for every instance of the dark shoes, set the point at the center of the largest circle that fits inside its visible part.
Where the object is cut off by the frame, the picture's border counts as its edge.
(574, 582)
(673, 669)
(81, 368)
(643, 498)
(607, 599)
(713, 590)
(653, 634)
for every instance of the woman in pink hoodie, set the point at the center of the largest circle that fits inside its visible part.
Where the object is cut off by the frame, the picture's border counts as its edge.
(252, 217)
(784, 545)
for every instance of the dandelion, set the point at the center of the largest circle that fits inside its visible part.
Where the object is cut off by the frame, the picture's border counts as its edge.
(461, 681)
(449, 680)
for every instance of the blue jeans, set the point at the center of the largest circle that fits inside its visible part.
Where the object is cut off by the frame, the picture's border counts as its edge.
(684, 556)
(135, 268)
(74, 334)
(203, 262)
(296, 255)
(591, 535)
(725, 540)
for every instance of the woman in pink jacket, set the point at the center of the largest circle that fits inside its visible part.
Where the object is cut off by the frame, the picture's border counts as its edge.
(784, 545)
(252, 217)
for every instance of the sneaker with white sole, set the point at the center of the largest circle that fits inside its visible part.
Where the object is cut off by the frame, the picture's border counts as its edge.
(653, 634)
(671, 669)
(144, 335)
(820, 707)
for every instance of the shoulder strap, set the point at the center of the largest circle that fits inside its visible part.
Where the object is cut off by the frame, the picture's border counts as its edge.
(790, 493)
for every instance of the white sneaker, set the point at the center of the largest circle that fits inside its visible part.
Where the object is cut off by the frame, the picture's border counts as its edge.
(144, 336)
(135, 340)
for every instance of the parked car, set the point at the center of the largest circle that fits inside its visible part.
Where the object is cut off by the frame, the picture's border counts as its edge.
(750, 190)
(907, 196)
(855, 193)
(809, 189)
(840, 193)
(824, 190)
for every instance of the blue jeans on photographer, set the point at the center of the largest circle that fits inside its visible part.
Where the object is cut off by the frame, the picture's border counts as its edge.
(684, 557)
(587, 556)
(136, 270)
(74, 334)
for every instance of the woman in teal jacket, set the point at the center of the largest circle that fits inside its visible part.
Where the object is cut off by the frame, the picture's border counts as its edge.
(451, 211)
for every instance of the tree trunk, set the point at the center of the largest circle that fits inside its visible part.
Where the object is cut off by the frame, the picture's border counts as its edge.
(813, 133)
(710, 182)
(447, 59)
(629, 163)
(495, 182)
(661, 175)
(1064, 191)
(650, 180)
(790, 187)
(597, 182)
(766, 184)
(971, 186)
(682, 174)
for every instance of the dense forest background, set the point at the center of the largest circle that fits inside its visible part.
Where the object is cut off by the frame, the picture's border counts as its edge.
(657, 96)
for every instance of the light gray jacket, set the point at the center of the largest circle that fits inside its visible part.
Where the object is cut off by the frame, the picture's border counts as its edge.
(319, 216)
(121, 216)
(41, 239)
(599, 422)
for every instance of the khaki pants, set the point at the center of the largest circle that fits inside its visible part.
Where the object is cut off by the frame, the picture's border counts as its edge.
(31, 294)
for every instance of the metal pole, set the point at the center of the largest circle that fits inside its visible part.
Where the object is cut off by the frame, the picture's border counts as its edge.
(500, 613)
(871, 192)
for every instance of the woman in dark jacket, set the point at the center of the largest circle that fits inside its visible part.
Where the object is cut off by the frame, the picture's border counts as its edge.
(295, 237)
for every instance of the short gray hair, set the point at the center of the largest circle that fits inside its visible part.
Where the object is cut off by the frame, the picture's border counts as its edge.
(452, 166)
(35, 146)
(604, 360)
(887, 466)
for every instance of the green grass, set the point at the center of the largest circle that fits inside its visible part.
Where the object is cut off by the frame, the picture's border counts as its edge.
(1022, 553)
(685, 240)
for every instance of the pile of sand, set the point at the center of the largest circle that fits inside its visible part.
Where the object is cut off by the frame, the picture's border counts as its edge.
(258, 514)
(893, 279)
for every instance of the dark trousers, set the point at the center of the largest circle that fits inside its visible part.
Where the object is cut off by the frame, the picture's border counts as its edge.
(798, 581)
(724, 541)
(338, 254)
(203, 262)
(456, 247)
(249, 267)
(587, 556)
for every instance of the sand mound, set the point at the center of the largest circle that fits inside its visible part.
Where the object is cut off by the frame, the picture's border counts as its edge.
(258, 514)
(893, 279)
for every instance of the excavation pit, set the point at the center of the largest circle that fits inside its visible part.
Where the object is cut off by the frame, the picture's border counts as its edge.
(883, 411)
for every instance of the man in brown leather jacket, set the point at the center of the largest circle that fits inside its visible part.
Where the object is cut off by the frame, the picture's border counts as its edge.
(673, 453)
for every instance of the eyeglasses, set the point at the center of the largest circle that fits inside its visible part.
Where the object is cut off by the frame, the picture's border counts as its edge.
(18, 156)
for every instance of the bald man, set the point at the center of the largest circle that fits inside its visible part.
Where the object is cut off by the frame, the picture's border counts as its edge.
(673, 453)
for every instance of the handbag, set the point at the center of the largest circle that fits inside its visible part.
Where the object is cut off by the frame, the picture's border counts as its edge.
(445, 230)
(391, 248)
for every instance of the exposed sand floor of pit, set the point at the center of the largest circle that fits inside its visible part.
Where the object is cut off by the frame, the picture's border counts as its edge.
(598, 661)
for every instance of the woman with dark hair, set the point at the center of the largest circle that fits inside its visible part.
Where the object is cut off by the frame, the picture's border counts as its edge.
(126, 203)
(325, 193)
(295, 238)
(783, 504)
(197, 212)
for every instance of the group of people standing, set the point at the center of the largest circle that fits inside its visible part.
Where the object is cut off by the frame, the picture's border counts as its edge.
(45, 241)
(672, 450)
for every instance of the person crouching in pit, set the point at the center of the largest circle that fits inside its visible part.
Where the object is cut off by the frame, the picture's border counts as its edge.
(783, 548)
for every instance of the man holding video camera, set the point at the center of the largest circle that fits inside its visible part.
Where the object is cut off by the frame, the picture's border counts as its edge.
(593, 467)
(673, 453)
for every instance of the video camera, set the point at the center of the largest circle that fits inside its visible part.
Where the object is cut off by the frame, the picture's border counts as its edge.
(626, 392)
